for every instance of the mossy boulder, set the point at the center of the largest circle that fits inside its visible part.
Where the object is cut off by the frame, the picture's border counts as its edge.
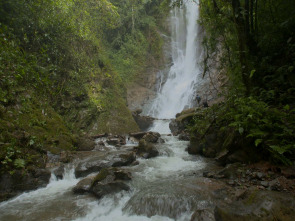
(146, 149)
(107, 181)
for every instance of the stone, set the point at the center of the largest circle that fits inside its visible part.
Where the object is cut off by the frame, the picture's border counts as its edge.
(59, 172)
(151, 137)
(146, 150)
(143, 122)
(203, 215)
(260, 175)
(195, 147)
(184, 136)
(124, 159)
(84, 185)
(95, 161)
(110, 180)
(85, 144)
(107, 181)
(113, 141)
(138, 135)
(14, 184)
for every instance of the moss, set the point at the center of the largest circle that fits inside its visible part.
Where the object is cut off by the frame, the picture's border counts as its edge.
(101, 176)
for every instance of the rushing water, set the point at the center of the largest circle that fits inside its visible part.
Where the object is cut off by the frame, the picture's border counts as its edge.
(178, 90)
(161, 187)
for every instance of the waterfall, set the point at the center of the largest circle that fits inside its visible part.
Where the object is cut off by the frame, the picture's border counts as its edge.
(178, 90)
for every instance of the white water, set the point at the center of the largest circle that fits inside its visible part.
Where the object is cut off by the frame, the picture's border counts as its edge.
(178, 90)
(158, 187)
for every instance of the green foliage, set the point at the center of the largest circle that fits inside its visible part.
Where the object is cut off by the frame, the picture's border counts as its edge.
(64, 66)
(254, 44)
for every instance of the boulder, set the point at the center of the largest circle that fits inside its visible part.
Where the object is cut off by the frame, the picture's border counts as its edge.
(143, 122)
(59, 172)
(184, 136)
(107, 181)
(20, 181)
(146, 150)
(85, 144)
(138, 135)
(84, 185)
(203, 215)
(95, 161)
(258, 205)
(124, 159)
(151, 137)
(91, 166)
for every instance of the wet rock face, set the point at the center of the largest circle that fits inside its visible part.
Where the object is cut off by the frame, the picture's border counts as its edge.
(95, 161)
(258, 205)
(107, 181)
(13, 184)
(143, 122)
(146, 150)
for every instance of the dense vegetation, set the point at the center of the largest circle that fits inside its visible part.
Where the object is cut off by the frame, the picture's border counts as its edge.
(64, 67)
(253, 43)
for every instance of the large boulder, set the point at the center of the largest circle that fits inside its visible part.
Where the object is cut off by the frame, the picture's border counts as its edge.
(85, 144)
(20, 181)
(258, 205)
(151, 137)
(178, 125)
(95, 161)
(146, 149)
(143, 122)
(107, 181)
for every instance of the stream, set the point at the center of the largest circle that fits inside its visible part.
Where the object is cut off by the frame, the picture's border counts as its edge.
(162, 188)
(167, 187)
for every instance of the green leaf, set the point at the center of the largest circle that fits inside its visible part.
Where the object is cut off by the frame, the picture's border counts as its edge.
(257, 142)
(241, 130)
(31, 142)
(252, 73)
(19, 163)
(287, 107)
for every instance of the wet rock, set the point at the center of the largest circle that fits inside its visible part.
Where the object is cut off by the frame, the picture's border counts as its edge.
(85, 144)
(258, 205)
(260, 175)
(184, 136)
(146, 150)
(264, 184)
(176, 127)
(95, 161)
(84, 185)
(66, 156)
(194, 147)
(203, 215)
(19, 181)
(151, 137)
(135, 163)
(99, 136)
(59, 172)
(231, 171)
(143, 122)
(109, 181)
(113, 141)
(208, 174)
(240, 194)
(138, 135)
(124, 159)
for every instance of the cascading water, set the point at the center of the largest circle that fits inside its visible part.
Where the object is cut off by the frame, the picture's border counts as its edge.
(162, 188)
(178, 90)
